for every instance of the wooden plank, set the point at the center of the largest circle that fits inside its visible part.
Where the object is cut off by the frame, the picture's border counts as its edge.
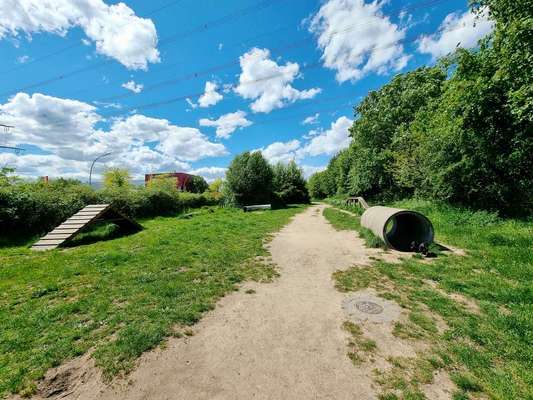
(43, 248)
(96, 206)
(70, 226)
(81, 218)
(87, 213)
(61, 236)
(65, 230)
(48, 242)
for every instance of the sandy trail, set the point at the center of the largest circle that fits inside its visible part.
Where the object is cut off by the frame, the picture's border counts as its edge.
(283, 342)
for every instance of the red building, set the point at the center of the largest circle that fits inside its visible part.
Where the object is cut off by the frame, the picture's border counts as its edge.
(181, 178)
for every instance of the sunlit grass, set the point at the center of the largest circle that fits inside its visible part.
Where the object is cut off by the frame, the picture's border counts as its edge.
(493, 348)
(123, 296)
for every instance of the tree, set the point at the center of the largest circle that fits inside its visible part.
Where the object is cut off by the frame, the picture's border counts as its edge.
(117, 178)
(163, 183)
(289, 183)
(316, 186)
(249, 179)
(197, 184)
(380, 118)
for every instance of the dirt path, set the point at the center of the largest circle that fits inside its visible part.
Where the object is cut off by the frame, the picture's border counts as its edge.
(284, 341)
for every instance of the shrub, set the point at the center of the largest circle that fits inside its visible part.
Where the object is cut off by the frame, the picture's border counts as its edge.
(116, 178)
(31, 208)
(35, 208)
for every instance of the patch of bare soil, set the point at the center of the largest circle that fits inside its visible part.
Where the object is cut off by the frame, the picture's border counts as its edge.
(65, 380)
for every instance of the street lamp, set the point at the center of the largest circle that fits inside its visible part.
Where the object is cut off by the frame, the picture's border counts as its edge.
(92, 165)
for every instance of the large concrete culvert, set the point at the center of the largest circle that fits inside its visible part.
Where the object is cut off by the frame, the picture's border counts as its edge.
(398, 228)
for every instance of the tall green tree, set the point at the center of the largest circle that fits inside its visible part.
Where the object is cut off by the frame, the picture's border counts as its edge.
(197, 184)
(249, 179)
(289, 183)
(379, 119)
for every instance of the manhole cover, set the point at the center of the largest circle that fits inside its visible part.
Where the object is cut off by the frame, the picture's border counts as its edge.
(369, 307)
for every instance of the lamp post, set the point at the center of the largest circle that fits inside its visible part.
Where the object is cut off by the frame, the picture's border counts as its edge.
(92, 165)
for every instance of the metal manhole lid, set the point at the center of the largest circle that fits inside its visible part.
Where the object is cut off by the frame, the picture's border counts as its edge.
(369, 307)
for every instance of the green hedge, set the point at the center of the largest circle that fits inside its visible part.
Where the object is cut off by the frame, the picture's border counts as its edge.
(34, 208)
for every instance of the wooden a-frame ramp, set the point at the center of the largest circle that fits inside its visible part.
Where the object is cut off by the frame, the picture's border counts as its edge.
(81, 220)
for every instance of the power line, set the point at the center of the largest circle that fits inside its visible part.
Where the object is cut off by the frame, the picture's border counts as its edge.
(203, 28)
(80, 44)
(199, 29)
(229, 64)
(309, 66)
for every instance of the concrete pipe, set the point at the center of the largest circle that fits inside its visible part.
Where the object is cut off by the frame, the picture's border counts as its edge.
(398, 228)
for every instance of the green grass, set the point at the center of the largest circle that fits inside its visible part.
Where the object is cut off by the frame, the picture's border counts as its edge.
(358, 344)
(342, 221)
(493, 349)
(124, 296)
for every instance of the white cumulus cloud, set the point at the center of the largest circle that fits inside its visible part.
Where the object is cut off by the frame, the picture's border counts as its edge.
(210, 96)
(210, 173)
(227, 123)
(312, 119)
(357, 39)
(268, 83)
(133, 87)
(330, 141)
(115, 29)
(311, 169)
(67, 130)
(282, 151)
(457, 30)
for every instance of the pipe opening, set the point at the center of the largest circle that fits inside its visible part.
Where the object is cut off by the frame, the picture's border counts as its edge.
(405, 228)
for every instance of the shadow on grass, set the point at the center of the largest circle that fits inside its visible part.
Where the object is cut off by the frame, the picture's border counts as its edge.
(99, 233)
(17, 240)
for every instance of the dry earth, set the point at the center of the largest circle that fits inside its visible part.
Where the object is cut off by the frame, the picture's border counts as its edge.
(282, 340)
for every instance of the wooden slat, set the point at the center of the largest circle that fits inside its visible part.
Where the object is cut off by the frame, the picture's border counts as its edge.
(49, 242)
(70, 226)
(96, 206)
(65, 230)
(81, 218)
(42, 248)
(53, 235)
(87, 213)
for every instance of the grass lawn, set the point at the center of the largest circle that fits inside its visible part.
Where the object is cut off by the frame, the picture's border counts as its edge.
(489, 353)
(122, 297)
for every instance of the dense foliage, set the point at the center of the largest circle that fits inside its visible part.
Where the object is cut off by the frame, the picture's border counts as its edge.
(197, 184)
(289, 183)
(460, 131)
(252, 180)
(28, 208)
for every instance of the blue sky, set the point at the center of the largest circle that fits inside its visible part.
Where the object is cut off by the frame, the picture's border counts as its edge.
(186, 85)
